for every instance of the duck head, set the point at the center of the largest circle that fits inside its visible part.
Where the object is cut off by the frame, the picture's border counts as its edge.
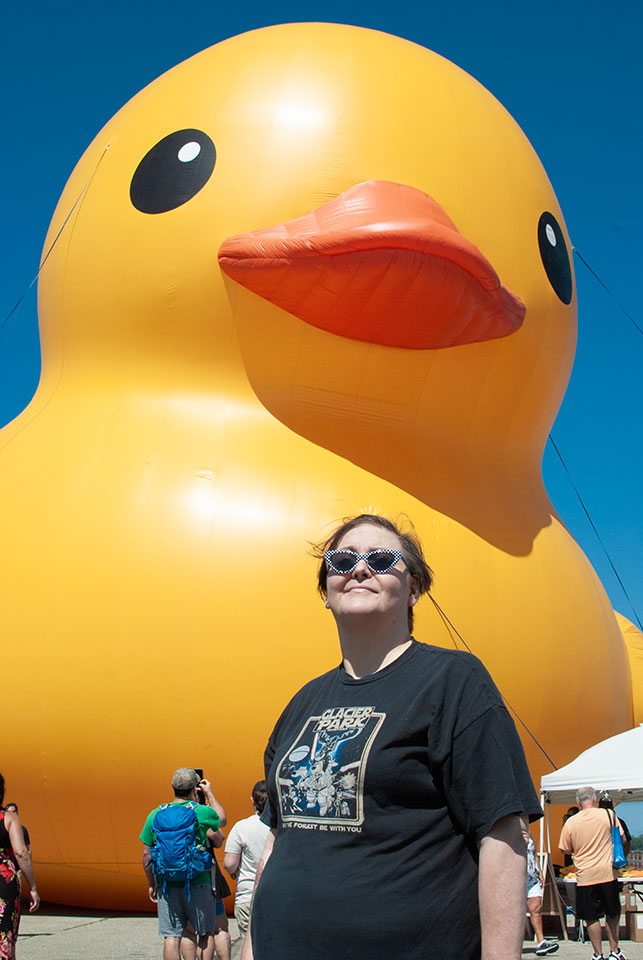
(357, 232)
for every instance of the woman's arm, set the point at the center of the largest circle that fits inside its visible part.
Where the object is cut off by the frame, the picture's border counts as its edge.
(502, 889)
(625, 837)
(23, 856)
(246, 953)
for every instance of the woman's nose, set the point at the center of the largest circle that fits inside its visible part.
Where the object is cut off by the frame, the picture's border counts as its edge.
(361, 571)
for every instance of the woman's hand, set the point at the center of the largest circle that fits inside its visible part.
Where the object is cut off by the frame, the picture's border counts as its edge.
(35, 900)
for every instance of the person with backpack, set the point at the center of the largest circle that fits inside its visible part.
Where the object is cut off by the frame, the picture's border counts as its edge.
(177, 862)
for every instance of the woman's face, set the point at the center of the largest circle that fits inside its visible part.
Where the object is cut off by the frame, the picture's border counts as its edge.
(364, 593)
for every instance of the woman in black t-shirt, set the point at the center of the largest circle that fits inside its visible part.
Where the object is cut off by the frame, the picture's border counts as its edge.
(397, 784)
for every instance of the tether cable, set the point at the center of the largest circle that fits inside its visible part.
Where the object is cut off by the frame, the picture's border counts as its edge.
(53, 244)
(607, 290)
(452, 630)
(598, 536)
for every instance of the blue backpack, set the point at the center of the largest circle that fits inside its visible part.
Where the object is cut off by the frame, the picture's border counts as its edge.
(176, 855)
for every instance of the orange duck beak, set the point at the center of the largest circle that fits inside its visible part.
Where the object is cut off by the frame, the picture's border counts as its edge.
(381, 263)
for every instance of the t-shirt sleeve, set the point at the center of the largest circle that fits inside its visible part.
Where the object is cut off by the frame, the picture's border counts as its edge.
(564, 842)
(210, 819)
(147, 834)
(476, 753)
(233, 842)
(488, 778)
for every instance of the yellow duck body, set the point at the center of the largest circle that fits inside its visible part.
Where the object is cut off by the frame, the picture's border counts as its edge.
(189, 438)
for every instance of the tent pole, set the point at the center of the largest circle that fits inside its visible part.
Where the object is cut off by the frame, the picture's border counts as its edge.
(543, 804)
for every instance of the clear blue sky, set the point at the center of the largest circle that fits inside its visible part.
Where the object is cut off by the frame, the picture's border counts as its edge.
(570, 73)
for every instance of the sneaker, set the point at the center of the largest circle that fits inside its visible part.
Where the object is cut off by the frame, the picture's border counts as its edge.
(616, 955)
(547, 946)
(597, 956)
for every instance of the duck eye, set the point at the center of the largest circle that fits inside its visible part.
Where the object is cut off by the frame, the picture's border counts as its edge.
(173, 171)
(553, 253)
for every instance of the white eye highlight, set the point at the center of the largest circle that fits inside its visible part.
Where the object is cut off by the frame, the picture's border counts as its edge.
(191, 150)
(551, 236)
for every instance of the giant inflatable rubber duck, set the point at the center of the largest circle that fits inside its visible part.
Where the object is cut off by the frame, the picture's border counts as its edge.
(313, 270)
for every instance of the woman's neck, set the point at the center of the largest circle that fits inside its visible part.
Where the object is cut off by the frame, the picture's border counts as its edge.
(366, 651)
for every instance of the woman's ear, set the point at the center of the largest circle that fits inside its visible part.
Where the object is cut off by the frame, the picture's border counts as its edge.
(327, 604)
(414, 592)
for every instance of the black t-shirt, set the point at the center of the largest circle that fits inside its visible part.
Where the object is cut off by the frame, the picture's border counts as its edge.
(380, 789)
(626, 831)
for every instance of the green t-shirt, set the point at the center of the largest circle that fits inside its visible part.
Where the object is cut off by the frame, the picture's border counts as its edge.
(207, 819)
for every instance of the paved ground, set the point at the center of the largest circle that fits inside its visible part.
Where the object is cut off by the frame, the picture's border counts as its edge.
(58, 933)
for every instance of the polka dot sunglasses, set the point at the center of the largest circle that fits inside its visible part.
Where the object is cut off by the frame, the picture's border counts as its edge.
(377, 561)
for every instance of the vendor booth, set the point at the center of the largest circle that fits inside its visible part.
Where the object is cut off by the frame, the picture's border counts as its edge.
(615, 764)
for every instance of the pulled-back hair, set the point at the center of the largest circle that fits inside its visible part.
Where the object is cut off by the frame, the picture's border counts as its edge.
(259, 796)
(409, 545)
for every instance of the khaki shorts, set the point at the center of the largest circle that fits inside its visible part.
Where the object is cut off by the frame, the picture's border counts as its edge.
(242, 915)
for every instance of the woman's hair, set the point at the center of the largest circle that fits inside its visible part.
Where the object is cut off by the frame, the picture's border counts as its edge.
(1, 789)
(409, 544)
(259, 796)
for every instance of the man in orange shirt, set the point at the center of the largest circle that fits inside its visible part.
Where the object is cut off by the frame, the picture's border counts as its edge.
(588, 837)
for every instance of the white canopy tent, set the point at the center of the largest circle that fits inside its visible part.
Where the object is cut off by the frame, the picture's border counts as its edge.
(615, 764)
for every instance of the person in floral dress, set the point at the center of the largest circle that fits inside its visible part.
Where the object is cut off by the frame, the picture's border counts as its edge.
(14, 857)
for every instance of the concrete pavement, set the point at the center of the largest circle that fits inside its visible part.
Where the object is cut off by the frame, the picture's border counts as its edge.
(59, 933)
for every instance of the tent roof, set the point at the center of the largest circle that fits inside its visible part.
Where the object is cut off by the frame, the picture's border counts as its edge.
(615, 764)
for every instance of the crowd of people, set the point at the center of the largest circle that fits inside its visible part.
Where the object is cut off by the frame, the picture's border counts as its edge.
(184, 878)
(395, 787)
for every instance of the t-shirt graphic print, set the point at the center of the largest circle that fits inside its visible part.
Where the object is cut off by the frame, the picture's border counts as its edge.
(321, 776)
